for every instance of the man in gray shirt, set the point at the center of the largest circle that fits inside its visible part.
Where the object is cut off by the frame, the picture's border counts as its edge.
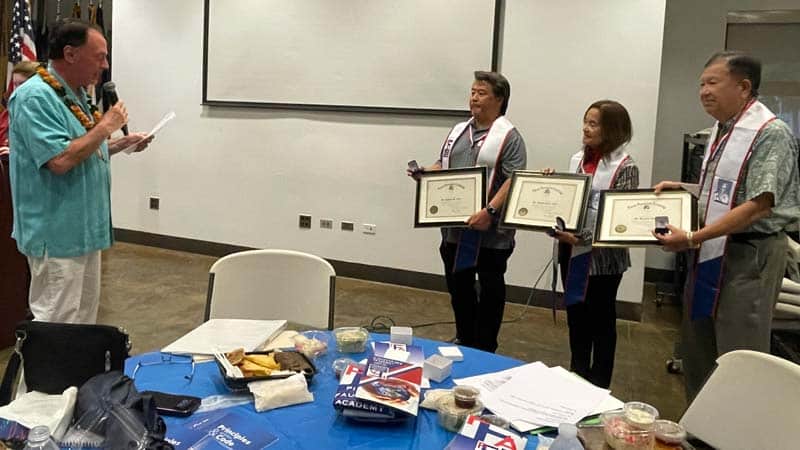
(487, 139)
(749, 193)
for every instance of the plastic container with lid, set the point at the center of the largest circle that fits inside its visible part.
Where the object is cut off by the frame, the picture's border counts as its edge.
(620, 434)
(640, 415)
(351, 339)
(340, 364)
(465, 396)
(669, 435)
(452, 416)
(311, 343)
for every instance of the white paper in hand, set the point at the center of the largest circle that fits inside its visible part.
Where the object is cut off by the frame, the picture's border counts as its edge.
(164, 120)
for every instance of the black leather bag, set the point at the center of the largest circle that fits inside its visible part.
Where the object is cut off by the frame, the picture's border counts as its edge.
(55, 356)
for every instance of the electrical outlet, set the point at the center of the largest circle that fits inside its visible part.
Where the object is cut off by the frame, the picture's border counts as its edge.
(305, 221)
(154, 202)
(326, 224)
(368, 228)
(347, 226)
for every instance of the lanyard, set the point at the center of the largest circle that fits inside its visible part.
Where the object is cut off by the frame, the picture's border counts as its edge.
(476, 142)
(719, 142)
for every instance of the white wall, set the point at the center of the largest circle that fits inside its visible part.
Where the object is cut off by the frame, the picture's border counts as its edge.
(562, 56)
(241, 176)
(693, 31)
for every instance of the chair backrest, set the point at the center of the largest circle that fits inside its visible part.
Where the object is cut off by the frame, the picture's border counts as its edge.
(750, 401)
(272, 284)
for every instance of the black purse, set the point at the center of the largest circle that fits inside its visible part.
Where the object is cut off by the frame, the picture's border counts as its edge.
(55, 356)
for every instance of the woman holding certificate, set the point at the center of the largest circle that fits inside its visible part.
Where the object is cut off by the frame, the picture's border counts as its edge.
(591, 276)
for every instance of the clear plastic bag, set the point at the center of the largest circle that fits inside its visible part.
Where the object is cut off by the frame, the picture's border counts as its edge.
(117, 427)
(86, 432)
(215, 402)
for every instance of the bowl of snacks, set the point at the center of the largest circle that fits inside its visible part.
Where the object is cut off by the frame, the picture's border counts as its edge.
(351, 339)
(311, 343)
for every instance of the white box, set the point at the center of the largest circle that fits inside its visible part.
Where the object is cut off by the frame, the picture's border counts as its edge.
(401, 335)
(452, 353)
(437, 368)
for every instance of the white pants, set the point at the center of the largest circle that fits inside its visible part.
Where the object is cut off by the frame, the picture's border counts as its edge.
(65, 289)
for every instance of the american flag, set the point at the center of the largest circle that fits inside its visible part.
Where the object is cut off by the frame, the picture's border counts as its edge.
(21, 47)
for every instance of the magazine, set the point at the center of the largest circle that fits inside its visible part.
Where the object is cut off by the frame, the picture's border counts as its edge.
(392, 383)
(345, 401)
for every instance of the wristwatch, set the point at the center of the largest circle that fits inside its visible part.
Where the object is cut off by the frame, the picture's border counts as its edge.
(492, 210)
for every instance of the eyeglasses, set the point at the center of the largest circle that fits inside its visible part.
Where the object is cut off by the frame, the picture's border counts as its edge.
(167, 358)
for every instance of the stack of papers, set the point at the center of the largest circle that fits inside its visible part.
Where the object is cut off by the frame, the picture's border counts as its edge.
(224, 335)
(534, 396)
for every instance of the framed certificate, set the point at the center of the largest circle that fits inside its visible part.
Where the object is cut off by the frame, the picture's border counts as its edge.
(535, 200)
(449, 197)
(627, 218)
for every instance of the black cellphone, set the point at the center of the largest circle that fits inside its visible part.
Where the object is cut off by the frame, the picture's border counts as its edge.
(661, 225)
(559, 226)
(174, 404)
(413, 166)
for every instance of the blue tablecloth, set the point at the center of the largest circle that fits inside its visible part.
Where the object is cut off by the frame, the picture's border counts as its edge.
(316, 425)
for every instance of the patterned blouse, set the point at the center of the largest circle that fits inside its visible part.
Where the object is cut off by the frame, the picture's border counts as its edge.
(613, 261)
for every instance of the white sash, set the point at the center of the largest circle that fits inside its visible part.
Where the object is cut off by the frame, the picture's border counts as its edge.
(604, 178)
(489, 151)
(738, 144)
(580, 263)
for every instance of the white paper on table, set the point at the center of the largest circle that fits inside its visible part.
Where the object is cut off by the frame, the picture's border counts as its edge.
(536, 396)
(167, 117)
(610, 403)
(489, 382)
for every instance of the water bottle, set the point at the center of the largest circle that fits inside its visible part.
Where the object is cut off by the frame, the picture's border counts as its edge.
(567, 438)
(39, 439)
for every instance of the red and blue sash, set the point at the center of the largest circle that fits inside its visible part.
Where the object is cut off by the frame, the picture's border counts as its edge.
(489, 153)
(580, 262)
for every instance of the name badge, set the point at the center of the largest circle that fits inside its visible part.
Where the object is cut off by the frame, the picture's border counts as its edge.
(723, 191)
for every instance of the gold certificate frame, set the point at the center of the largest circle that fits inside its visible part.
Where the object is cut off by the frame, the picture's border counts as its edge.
(535, 200)
(449, 197)
(628, 218)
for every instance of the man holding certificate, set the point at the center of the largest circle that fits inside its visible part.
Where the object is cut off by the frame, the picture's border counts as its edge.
(479, 248)
(748, 194)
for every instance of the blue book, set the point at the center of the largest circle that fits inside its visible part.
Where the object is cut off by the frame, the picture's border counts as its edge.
(220, 430)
